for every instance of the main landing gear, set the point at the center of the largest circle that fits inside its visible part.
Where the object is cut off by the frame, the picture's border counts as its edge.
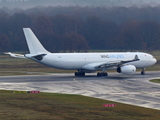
(102, 74)
(143, 71)
(79, 74)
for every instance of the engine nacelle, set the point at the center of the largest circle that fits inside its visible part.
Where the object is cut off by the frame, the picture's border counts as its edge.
(127, 69)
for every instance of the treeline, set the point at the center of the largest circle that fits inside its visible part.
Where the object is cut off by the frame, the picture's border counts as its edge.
(62, 29)
(95, 3)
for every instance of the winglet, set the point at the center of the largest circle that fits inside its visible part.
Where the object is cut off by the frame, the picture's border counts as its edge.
(136, 57)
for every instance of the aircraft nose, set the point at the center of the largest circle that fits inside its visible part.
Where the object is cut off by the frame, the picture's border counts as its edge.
(154, 61)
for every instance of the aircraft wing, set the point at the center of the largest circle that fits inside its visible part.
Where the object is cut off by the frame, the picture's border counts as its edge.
(117, 63)
(15, 55)
(100, 65)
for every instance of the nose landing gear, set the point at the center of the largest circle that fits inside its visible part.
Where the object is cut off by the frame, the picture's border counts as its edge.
(143, 71)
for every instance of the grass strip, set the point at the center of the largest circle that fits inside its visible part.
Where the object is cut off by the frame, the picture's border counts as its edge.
(155, 80)
(49, 106)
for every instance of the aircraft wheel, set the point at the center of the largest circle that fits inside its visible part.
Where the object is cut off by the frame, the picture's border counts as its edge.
(76, 73)
(79, 74)
(83, 73)
(143, 73)
(98, 74)
(105, 74)
(102, 74)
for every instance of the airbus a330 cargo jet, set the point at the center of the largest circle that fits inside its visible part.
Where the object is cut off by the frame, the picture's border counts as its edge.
(122, 62)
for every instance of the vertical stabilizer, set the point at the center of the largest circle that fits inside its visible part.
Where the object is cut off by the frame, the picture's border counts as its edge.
(35, 47)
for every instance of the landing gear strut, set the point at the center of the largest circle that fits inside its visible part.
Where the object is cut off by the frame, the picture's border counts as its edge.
(143, 71)
(79, 73)
(102, 74)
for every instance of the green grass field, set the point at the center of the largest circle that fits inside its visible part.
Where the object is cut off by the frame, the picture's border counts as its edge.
(155, 80)
(53, 106)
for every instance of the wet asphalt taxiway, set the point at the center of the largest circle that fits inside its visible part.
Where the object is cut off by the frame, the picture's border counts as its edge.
(131, 89)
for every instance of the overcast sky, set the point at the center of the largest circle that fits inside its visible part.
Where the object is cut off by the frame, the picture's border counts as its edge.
(107, 3)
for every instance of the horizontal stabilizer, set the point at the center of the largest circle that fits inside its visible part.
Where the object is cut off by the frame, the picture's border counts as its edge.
(15, 55)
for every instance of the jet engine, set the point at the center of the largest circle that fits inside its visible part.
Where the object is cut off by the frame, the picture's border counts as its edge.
(127, 69)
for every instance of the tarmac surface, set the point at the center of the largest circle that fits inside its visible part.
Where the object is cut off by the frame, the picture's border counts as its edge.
(130, 89)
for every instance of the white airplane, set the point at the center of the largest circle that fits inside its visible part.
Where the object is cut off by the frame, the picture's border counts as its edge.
(123, 62)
